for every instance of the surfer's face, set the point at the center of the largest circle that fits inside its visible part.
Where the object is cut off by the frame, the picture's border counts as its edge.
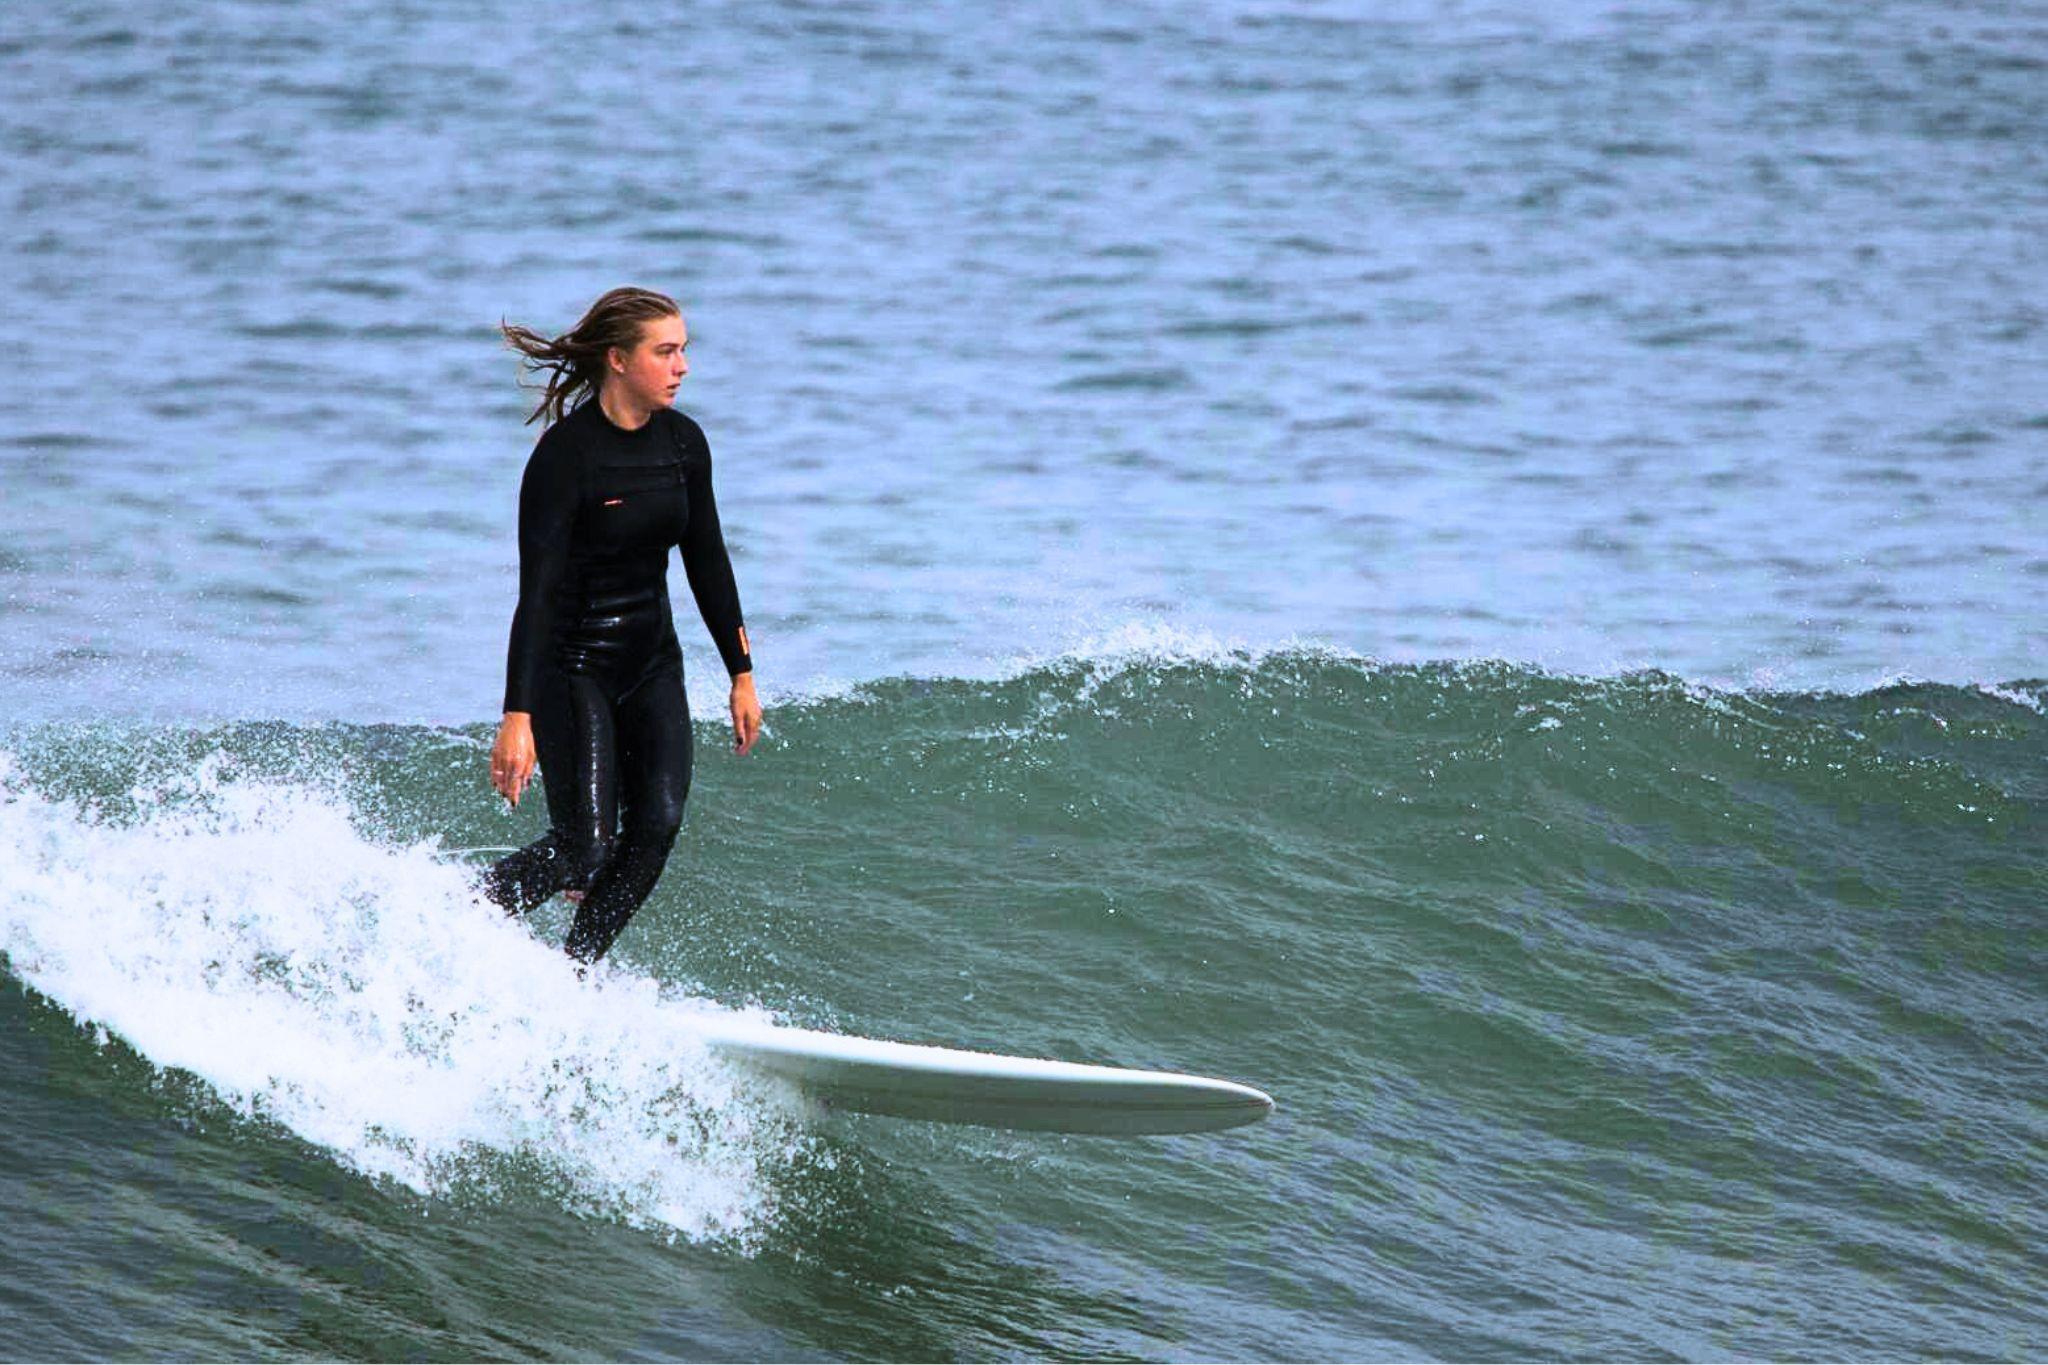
(651, 372)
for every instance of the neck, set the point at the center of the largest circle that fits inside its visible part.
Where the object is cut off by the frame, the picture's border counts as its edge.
(624, 413)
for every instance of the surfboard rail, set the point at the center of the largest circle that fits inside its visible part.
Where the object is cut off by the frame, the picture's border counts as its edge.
(954, 1085)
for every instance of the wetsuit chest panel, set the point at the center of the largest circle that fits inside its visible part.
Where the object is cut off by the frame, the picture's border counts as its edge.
(632, 509)
(633, 506)
(600, 508)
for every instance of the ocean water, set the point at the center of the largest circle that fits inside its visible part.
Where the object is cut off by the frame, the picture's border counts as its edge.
(1476, 568)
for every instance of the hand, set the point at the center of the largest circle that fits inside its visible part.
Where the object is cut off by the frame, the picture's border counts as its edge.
(746, 714)
(512, 757)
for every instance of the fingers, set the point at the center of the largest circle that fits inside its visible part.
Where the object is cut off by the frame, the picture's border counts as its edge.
(509, 778)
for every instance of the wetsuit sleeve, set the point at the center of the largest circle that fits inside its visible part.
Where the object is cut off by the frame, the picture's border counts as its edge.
(709, 566)
(547, 510)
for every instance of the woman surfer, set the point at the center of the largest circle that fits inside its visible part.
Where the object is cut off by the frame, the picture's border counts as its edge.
(594, 674)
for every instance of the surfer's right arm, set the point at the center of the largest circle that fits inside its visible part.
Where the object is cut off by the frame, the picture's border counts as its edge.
(547, 510)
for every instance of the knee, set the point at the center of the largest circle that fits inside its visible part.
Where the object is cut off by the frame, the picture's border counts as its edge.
(657, 830)
(525, 879)
(588, 855)
(659, 819)
(654, 826)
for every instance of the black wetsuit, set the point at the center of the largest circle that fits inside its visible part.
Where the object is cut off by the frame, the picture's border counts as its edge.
(594, 656)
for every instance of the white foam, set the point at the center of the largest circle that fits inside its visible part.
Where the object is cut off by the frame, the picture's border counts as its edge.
(2013, 696)
(1101, 652)
(362, 997)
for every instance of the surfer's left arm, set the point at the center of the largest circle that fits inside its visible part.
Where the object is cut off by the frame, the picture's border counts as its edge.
(709, 568)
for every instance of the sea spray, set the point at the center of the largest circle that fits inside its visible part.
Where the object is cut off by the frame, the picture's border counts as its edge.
(361, 996)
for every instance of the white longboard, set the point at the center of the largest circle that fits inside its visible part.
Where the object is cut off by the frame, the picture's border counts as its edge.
(870, 1076)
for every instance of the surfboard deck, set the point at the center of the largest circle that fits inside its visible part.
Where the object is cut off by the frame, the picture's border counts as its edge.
(950, 1085)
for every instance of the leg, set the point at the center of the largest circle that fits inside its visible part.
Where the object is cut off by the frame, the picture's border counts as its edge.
(655, 764)
(519, 881)
(575, 730)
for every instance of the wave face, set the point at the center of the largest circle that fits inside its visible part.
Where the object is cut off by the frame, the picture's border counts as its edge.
(1605, 1017)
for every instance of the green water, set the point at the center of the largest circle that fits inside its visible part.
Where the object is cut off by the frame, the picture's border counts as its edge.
(1614, 1018)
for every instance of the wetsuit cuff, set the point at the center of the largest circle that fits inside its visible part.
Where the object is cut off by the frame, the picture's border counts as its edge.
(737, 652)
